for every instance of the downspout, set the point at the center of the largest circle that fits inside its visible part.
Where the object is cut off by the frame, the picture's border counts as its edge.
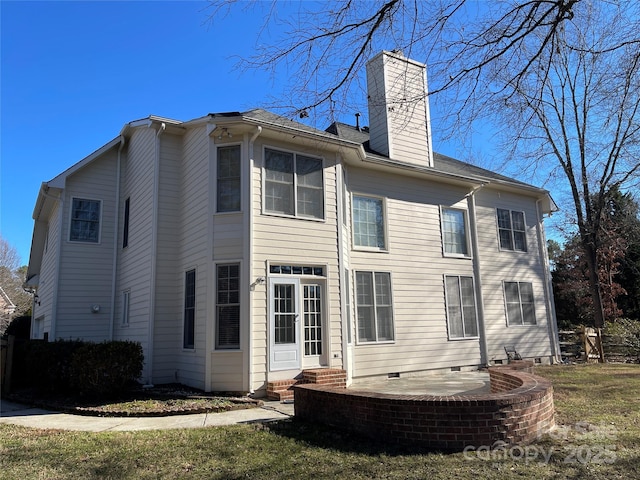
(154, 251)
(548, 288)
(484, 349)
(114, 270)
(249, 255)
(339, 175)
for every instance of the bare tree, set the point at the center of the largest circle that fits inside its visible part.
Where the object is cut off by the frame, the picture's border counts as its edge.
(561, 77)
(575, 111)
(11, 278)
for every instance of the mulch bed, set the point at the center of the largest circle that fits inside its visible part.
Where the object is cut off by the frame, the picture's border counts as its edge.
(163, 400)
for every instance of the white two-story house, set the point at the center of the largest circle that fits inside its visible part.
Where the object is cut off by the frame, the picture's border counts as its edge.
(241, 248)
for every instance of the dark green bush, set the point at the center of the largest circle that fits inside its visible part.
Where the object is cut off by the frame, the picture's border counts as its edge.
(74, 366)
(43, 365)
(20, 327)
(108, 368)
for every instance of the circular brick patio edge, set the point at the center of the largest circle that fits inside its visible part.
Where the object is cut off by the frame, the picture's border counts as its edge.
(517, 411)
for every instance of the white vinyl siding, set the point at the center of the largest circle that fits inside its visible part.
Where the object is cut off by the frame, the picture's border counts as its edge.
(462, 318)
(495, 267)
(294, 184)
(417, 265)
(519, 300)
(368, 222)
(454, 232)
(374, 306)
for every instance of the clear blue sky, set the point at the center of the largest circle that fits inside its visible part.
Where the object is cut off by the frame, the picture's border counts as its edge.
(73, 73)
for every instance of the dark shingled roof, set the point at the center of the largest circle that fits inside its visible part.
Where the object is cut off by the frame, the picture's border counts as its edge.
(343, 131)
(442, 163)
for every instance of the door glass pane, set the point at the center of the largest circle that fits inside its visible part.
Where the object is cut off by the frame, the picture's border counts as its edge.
(284, 313)
(312, 320)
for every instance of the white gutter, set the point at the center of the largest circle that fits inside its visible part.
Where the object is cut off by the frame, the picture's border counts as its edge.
(249, 255)
(116, 249)
(154, 252)
(548, 288)
(484, 349)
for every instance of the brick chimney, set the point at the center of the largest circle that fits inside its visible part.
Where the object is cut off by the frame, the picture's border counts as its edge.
(399, 124)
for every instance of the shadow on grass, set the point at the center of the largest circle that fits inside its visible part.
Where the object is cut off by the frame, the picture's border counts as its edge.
(329, 438)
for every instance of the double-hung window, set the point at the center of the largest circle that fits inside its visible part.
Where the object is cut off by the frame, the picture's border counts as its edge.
(454, 232)
(294, 184)
(85, 220)
(188, 336)
(374, 307)
(228, 306)
(512, 230)
(368, 222)
(519, 300)
(228, 182)
(462, 316)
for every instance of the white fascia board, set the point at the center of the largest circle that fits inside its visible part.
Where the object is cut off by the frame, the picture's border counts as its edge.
(59, 181)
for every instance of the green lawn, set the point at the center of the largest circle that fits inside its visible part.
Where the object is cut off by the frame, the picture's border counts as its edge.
(597, 410)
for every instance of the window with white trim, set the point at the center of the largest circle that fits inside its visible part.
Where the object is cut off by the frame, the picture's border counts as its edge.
(294, 184)
(368, 222)
(462, 318)
(85, 220)
(228, 306)
(228, 179)
(512, 230)
(454, 232)
(374, 307)
(519, 300)
(188, 334)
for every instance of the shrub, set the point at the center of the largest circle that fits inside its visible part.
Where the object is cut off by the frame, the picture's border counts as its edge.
(20, 327)
(74, 366)
(43, 365)
(108, 368)
(625, 332)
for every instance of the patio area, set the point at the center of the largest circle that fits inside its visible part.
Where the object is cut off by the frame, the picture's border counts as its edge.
(436, 384)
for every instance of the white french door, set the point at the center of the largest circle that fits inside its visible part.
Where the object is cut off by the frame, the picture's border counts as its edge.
(295, 324)
(284, 324)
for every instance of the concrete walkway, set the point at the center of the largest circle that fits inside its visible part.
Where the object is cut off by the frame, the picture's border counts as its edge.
(25, 416)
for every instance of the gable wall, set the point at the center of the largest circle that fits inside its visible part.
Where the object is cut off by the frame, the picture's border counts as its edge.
(86, 268)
